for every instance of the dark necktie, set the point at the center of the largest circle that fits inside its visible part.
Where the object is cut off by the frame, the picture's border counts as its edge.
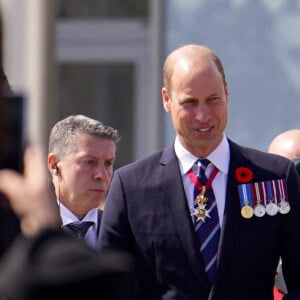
(207, 225)
(79, 229)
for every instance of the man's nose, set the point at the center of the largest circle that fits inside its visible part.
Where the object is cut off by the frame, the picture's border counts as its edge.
(101, 172)
(202, 113)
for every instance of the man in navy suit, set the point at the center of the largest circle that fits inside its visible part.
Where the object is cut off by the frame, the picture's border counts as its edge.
(151, 208)
(81, 156)
(45, 263)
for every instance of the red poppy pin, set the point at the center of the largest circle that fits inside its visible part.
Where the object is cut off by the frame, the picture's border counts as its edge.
(243, 174)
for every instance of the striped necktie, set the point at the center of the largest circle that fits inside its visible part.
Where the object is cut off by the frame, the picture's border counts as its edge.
(207, 225)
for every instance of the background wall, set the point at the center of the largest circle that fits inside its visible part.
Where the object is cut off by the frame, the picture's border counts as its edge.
(259, 44)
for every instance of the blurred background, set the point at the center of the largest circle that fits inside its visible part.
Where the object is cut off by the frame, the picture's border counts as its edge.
(103, 58)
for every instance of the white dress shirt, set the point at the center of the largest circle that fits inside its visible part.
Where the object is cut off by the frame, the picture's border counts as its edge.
(220, 158)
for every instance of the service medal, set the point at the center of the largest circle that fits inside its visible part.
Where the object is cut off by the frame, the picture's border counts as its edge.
(271, 209)
(247, 212)
(284, 207)
(259, 210)
(245, 199)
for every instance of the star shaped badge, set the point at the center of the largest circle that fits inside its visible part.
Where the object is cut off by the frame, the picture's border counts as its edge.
(201, 213)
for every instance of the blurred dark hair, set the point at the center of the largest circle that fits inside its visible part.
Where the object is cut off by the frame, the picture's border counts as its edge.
(9, 222)
(4, 84)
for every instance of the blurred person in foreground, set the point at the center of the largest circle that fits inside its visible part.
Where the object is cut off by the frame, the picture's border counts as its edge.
(81, 157)
(9, 224)
(286, 144)
(44, 262)
(205, 217)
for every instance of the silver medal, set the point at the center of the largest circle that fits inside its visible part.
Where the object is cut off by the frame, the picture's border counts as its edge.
(284, 207)
(259, 210)
(271, 209)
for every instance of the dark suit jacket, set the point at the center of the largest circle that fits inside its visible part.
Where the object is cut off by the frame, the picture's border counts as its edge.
(53, 265)
(9, 225)
(146, 213)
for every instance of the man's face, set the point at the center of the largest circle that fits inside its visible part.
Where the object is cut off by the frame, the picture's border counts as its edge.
(197, 103)
(85, 173)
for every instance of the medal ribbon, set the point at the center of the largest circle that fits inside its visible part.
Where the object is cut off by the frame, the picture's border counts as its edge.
(257, 192)
(269, 189)
(281, 189)
(245, 195)
(263, 185)
(275, 193)
(210, 179)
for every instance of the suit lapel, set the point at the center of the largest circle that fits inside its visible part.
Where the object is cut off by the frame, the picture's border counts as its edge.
(179, 211)
(99, 223)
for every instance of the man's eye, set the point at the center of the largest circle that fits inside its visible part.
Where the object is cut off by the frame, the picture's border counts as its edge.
(188, 102)
(215, 99)
(109, 163)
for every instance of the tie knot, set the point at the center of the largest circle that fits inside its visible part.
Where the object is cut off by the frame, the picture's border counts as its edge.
(201, 166)
(79, 228)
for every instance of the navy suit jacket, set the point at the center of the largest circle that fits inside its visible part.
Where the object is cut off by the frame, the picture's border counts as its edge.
(146, 214)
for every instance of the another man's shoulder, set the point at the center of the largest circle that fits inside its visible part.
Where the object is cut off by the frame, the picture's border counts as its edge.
(151, 159)
(261, 158)
(148, 165)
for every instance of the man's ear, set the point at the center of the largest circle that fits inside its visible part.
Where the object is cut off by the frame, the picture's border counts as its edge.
(226, 91)
(53, 164)
(166, 99)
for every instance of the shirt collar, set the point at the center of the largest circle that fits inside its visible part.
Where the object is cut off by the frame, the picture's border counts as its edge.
(219, 157)
(68, 217)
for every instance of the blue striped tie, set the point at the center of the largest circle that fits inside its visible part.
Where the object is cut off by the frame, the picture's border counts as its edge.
(208, 232)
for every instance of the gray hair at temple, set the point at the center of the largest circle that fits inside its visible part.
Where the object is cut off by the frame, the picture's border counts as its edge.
(63, 133)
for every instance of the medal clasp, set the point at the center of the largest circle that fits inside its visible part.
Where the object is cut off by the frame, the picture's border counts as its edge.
(201, 199)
